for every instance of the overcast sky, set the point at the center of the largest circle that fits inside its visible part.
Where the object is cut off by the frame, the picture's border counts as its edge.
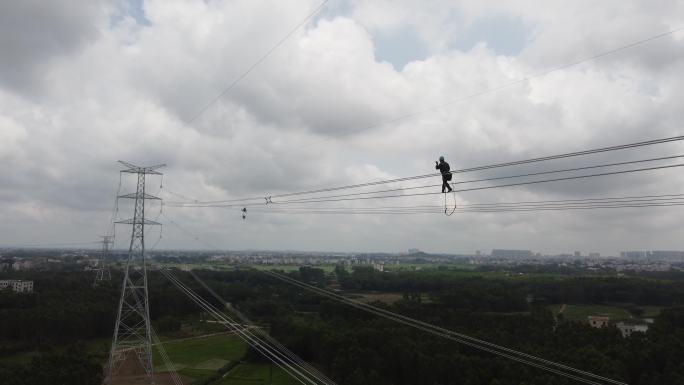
(86, 83)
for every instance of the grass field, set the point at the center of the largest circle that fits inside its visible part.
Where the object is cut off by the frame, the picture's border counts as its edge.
(200, 357)
(256, 374)
(287, 268)
(616, 313)
(389, 298)
(429, 266)
(651, 311)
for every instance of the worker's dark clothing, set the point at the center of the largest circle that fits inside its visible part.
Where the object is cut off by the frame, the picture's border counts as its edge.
(443, 167)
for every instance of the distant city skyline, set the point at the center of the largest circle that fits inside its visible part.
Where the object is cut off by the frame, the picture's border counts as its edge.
(664, 255)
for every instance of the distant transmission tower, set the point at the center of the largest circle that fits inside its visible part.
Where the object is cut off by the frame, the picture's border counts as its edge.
(132, 331)
(102, 271)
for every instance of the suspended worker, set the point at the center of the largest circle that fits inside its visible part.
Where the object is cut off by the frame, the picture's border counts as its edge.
(443, 167)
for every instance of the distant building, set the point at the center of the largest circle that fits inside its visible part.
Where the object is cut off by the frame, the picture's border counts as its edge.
(628, 329)
(634, 254)
(594, 255)
(502, 253)
(666, 255)
(378, 267)
(22, 265)
(18, 286)
(578, 254)
(598, 321)
(6, 264)
(413, 251)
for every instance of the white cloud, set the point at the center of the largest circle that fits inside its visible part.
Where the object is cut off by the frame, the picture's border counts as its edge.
(33, 33)
(11, 136)
(308, 116)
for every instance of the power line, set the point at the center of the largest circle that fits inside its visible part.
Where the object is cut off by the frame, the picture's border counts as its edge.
(502, 177)
(309, 368)
(253, 66)
(111, 229)
(317, 200)
(170, 368)
(538, 362)
(556, 203)
(505, 85)
(338, 199)
(190, 234)
(284, 359)
(496, 204)
(481, 210)
(460, 171)
(499, 165)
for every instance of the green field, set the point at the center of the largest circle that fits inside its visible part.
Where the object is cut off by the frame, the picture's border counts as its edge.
(201, 357)
(409, 266)
(389, 298)
(651, 311)
(288, 268)
(256, 374)
(616, 313)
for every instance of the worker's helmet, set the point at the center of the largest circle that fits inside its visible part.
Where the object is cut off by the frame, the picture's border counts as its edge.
(441, 159)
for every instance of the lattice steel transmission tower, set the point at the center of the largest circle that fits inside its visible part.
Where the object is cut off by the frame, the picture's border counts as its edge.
(102, 272)
(132, 331)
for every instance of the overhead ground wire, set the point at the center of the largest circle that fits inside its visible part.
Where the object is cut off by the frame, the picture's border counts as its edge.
(257, 63)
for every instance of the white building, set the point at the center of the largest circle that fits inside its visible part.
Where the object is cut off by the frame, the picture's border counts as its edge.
(503, 253)
(17, 285)
(634, 254)
(628, 329)
(22, 265)
(666, 255)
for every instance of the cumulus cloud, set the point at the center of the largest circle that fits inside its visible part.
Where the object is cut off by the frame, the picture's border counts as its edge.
(35, 33)
(81, 87)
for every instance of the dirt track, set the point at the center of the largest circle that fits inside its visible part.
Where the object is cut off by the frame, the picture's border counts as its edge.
(132, 373)
(160, 379)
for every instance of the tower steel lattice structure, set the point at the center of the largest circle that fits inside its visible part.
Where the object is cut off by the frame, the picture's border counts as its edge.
(102, 272)
(132, 331)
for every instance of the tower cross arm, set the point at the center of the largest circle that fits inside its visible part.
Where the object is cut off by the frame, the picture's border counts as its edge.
(131, 168)
(134, 221)
(143, 196)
